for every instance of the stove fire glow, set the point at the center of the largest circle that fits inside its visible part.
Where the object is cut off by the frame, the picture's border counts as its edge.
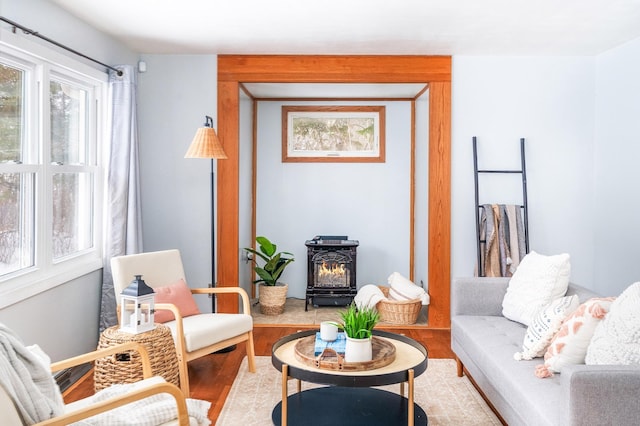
(332, 274)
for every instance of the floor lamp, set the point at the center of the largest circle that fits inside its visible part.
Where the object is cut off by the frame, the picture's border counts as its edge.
(206, 144)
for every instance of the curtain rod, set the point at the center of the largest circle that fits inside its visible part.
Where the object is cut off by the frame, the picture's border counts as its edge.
(47, 39)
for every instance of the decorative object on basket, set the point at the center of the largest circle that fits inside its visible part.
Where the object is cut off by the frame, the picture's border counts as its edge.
(404, 289)
(137, 307)
(272, 300)
(358, 324)
(368, 296)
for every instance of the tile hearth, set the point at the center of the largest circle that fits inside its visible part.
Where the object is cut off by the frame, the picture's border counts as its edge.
(294, 313)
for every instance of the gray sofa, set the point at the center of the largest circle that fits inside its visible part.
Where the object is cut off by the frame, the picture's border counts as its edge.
(484, 343)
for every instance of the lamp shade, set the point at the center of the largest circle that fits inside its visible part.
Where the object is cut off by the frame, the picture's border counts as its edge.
(206, 144)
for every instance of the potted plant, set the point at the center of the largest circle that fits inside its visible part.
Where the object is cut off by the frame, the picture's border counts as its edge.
(358, 324)
(269, 266)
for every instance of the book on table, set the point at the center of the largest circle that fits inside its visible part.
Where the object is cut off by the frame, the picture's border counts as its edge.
(337, 345)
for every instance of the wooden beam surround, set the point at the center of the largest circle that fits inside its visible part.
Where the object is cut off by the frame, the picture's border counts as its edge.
(233, 70)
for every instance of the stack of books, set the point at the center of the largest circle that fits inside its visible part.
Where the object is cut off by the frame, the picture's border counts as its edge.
(337, 345)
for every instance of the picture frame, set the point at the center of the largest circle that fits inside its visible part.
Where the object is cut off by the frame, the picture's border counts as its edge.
(333, 134)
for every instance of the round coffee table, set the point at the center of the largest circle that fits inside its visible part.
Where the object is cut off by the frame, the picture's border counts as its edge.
(348, 399)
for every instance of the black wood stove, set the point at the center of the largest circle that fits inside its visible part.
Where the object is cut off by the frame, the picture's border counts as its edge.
(331, 270)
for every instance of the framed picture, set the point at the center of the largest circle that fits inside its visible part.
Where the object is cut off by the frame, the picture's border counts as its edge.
(333, 134)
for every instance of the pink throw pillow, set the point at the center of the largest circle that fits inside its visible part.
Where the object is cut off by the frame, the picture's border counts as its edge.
(569, 345)
(180, 295)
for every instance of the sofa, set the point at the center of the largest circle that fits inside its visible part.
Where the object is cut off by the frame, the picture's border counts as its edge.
(484, 343)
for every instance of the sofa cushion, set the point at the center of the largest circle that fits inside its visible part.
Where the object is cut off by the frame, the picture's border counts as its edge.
(544, 326)
(485, 345)
(178, 294)
(616, 340)
(569, 345)
(538, 280)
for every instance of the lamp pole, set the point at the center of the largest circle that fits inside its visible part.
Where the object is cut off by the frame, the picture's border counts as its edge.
(213, 239)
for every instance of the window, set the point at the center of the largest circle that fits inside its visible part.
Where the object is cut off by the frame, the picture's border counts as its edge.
(51, 117)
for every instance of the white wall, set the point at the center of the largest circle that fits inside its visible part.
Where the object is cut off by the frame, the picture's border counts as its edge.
(617, 174)
(63, 320)
(550, 102)
(175, 95)
(368, 202)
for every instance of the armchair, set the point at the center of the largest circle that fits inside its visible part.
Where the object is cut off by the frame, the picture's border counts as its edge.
(195, 335)
(79, 410)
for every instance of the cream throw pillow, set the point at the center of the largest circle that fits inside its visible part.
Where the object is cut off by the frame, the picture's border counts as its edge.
(616, 340)
(537, 282)
(545, 325)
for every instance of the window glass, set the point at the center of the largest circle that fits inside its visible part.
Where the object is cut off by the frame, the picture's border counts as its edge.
(72, 213)
(68, 123)
(16, 221)
(11, 113)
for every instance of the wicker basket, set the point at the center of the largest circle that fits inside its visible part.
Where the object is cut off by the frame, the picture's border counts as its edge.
(272, 299)
(398, 311)
(127, 366)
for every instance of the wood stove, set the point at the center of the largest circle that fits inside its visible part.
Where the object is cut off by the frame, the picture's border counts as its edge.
(331, 270)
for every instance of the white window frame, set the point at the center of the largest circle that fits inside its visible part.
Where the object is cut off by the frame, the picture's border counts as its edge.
(42, 63)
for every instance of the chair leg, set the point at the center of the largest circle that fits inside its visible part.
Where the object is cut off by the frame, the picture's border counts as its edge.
(459, 367)
(251, 353)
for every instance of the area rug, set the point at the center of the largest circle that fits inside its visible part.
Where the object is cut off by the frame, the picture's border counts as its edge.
(446, 398)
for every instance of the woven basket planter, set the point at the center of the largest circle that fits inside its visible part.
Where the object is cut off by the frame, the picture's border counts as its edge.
(272, 298)
(398, 311)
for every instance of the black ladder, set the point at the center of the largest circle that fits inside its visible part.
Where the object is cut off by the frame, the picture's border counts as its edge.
(523, 206)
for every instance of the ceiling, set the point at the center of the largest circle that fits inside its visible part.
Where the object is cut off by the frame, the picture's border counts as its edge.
(350, 27)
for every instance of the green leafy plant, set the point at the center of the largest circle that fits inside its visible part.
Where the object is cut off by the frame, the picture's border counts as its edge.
(358, 323)
(273, 263)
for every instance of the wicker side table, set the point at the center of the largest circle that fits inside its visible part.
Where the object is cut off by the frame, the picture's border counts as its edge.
(127, 366)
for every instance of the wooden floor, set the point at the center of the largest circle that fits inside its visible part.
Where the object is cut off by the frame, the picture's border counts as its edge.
(211, 377)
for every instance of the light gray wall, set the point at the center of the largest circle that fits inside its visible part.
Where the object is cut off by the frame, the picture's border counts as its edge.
(175, 94)
(63, 320)
(617, 174)
(550, 102)
(368, 202)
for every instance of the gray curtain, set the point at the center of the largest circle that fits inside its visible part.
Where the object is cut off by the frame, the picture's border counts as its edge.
(123, 216)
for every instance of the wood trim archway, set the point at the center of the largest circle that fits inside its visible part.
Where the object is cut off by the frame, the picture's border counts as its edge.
(434, 70)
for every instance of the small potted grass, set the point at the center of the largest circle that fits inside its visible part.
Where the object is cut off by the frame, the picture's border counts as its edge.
(358, 323)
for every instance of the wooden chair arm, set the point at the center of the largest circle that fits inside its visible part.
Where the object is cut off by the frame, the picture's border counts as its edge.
(170, 307)
(246, 305)
(101, 353)
(111, 403)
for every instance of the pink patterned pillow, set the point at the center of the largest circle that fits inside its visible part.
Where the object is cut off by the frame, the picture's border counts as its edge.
(569, 345)
(180, 295)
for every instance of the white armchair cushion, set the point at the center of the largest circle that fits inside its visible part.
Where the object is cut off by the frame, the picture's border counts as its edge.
(200, 331)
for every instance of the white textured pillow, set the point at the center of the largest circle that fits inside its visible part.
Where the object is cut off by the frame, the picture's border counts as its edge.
(569, 345)
(616, 340)
(538, 280)
(404, 289)
(544, 326)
